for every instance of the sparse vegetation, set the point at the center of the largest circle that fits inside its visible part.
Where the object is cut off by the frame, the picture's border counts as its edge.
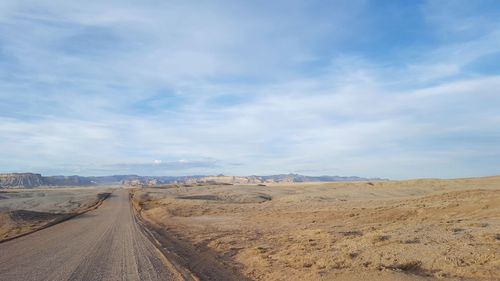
(422, 228)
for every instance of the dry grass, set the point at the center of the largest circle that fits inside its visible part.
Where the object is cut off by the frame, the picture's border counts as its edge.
(411, 230)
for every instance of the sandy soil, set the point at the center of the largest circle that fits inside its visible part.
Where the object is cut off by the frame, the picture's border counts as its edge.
(23, 211)
(407, 230)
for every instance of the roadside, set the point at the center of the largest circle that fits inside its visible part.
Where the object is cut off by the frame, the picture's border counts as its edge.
(25, 212)
(195, 263)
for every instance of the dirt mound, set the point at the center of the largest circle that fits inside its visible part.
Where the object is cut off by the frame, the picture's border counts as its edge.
(30, 216)
(18, 222)
(230, 198)
(201, 197)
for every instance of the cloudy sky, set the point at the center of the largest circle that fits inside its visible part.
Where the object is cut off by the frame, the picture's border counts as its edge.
(396, 89)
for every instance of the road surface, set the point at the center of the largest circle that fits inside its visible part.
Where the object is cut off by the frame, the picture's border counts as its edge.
(103, 244)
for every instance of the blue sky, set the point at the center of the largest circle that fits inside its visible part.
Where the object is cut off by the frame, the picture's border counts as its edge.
(396, 89)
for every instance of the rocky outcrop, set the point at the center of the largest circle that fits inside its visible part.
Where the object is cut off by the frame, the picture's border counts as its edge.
(31, 180)
(139, 182)
(283, 178)
(225, 180)
(20, 180)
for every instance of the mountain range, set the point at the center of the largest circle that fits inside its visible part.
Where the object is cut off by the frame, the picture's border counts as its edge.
(32, 180)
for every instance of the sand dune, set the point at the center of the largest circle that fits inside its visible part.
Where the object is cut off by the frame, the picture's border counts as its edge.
(397, 230)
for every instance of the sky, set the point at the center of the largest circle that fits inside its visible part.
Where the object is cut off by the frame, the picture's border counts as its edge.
(392, 89)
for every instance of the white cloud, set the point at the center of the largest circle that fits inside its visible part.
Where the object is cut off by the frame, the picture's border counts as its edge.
(201, 87)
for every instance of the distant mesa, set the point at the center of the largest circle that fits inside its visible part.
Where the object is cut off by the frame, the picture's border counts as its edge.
(32, 180)
(141, 182)
(281, 178)
(14, 180)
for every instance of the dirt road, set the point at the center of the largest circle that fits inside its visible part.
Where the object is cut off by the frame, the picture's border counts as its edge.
(103, 244)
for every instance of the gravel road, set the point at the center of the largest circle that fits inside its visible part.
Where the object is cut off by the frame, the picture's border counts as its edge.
(103, 244)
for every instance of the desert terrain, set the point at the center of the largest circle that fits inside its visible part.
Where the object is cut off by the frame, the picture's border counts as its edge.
(23, 211)
(382, 230)
(104, 243)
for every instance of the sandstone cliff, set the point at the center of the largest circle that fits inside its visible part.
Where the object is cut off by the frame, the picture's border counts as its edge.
(31, 180)
(19, 180)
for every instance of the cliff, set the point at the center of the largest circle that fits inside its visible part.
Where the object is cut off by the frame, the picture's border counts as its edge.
(31, 180)
(20, 180)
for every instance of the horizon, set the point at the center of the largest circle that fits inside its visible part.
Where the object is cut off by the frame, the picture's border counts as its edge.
(185, 175)
(248, 175)
(391, 90)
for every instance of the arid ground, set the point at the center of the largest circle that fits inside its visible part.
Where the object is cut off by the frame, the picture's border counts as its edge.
(23, 211)
(104, 244)
(394, 230)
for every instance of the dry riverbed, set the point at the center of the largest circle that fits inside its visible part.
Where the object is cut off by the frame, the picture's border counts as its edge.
(407, 230)
(24, 211)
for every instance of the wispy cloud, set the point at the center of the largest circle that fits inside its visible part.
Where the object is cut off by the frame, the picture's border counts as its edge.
(275, 87)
